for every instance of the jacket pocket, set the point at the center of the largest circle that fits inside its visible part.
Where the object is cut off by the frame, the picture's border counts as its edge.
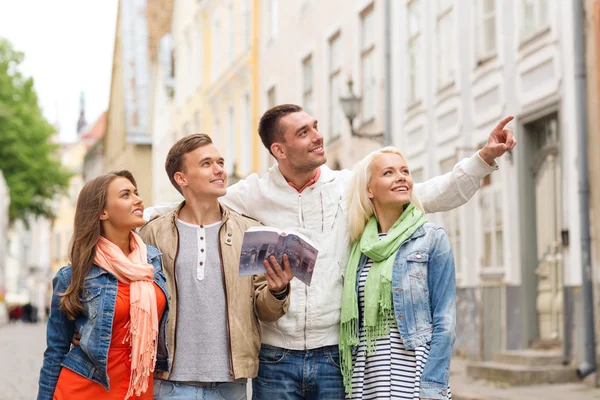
(90, 300)
(417, 265)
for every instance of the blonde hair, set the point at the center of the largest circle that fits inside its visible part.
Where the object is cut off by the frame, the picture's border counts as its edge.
(360, 206)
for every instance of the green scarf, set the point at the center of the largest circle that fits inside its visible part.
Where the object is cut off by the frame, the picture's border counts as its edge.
(378, 310)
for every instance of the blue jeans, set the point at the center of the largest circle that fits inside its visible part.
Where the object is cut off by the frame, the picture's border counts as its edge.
(216, 391)
(298, 374)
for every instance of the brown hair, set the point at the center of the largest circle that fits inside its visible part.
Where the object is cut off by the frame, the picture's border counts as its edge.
(269, 128)
(183, 146)
(87, 229)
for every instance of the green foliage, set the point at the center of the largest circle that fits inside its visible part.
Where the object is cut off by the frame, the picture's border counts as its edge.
(28, 159)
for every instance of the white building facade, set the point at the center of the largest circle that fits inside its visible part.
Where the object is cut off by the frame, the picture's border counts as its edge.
(458, 67)
(458, 70)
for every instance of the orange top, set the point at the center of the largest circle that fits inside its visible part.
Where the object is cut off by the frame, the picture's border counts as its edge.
(71, 385)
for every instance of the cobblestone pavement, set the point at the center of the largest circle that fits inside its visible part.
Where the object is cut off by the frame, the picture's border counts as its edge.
(22, 347)
(21, 353)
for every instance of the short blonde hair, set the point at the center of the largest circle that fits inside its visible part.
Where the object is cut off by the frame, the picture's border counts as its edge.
(360, 206)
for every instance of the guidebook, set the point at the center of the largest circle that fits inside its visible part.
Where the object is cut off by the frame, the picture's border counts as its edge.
(261, 242)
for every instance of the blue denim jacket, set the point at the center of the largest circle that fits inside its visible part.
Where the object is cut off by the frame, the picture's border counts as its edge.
(424, 295)
(98, 299)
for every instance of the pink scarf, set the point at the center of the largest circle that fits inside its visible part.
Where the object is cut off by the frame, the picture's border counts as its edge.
(134, 270)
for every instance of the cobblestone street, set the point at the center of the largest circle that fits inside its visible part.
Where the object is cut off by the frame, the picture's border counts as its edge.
(21, 351)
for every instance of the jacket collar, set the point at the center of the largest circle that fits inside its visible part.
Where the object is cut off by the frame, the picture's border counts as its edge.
(225, 213)
(327, 175)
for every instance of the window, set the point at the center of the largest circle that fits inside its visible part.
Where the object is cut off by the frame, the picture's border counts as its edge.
(492, 226)
(451, 221)
(199, 47)
(230, 33)
(190, 78)
(186, 129)
(246, 24)
(535, 16)
(272, 97)
(197, 122)
(486, 28)
(272, 18)
(180, 82)
(216, 49)
(232, 141)
(418, 175)
(335, 80)
(307, 85)
(413, 45)
(216, 133)
(367, 63)
(57, 248)
(248, 151)
(445, 44)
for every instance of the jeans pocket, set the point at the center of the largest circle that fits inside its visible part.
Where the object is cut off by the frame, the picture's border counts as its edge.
(271, 354)
(162, 389)
(231, 391)
(333, 355)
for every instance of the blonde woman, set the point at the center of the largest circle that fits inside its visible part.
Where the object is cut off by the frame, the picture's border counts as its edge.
(398, 308)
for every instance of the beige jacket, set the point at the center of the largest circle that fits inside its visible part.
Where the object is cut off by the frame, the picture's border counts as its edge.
(248, 298)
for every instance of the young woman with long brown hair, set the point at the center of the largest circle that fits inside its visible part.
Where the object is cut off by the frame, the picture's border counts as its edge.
(114, 294)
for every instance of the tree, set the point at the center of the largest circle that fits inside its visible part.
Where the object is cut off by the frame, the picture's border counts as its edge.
(28, 158)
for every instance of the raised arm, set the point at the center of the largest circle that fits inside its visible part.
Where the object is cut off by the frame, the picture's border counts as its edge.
(455, 188)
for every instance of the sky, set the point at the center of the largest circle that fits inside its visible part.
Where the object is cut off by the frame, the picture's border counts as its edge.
(68, 46)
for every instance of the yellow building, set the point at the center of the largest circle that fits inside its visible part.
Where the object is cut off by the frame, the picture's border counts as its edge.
(72, 155)
(215, 47)
(128, 143)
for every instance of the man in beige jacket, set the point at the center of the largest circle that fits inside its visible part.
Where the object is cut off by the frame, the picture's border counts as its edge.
(213, 332)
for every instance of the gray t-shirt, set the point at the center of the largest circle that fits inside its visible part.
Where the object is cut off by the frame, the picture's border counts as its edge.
(202, 345)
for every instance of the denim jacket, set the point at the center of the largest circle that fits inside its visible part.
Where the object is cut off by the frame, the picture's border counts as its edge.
(98, 299)
(424, 295)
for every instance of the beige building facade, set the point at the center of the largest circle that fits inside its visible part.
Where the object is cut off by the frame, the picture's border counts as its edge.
(128, 143)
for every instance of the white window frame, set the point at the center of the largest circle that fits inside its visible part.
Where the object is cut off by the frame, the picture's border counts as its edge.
(335, 83)
(451, 221)
(367, 64)
(232, 140)
(445, 42)
(413, 8)
(246, 24)
(216, 48)
(246, 129)
(230, 32)
(190, 77)
(272, 18)
(490, 200)
(485, 18)
(307, 84)
(540, 15)
(272, 96)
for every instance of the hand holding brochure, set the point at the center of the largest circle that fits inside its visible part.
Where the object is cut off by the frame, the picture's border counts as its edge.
(261, 242)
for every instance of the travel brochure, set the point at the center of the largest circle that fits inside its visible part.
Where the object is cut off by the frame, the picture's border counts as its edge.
(261, 242)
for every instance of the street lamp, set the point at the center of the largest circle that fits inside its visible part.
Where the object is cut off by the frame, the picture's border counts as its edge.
(351, 106)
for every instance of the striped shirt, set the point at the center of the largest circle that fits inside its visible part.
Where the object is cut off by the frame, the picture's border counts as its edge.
(392, 372)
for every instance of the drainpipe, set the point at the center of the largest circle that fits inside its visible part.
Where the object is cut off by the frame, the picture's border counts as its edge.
(588, 366)
(387, 136)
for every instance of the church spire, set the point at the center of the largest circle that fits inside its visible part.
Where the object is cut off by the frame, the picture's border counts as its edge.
(81, 122)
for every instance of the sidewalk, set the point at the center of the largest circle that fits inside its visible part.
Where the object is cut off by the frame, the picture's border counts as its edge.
(465, 388)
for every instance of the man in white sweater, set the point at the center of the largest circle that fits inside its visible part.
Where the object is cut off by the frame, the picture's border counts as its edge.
(299, 353)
